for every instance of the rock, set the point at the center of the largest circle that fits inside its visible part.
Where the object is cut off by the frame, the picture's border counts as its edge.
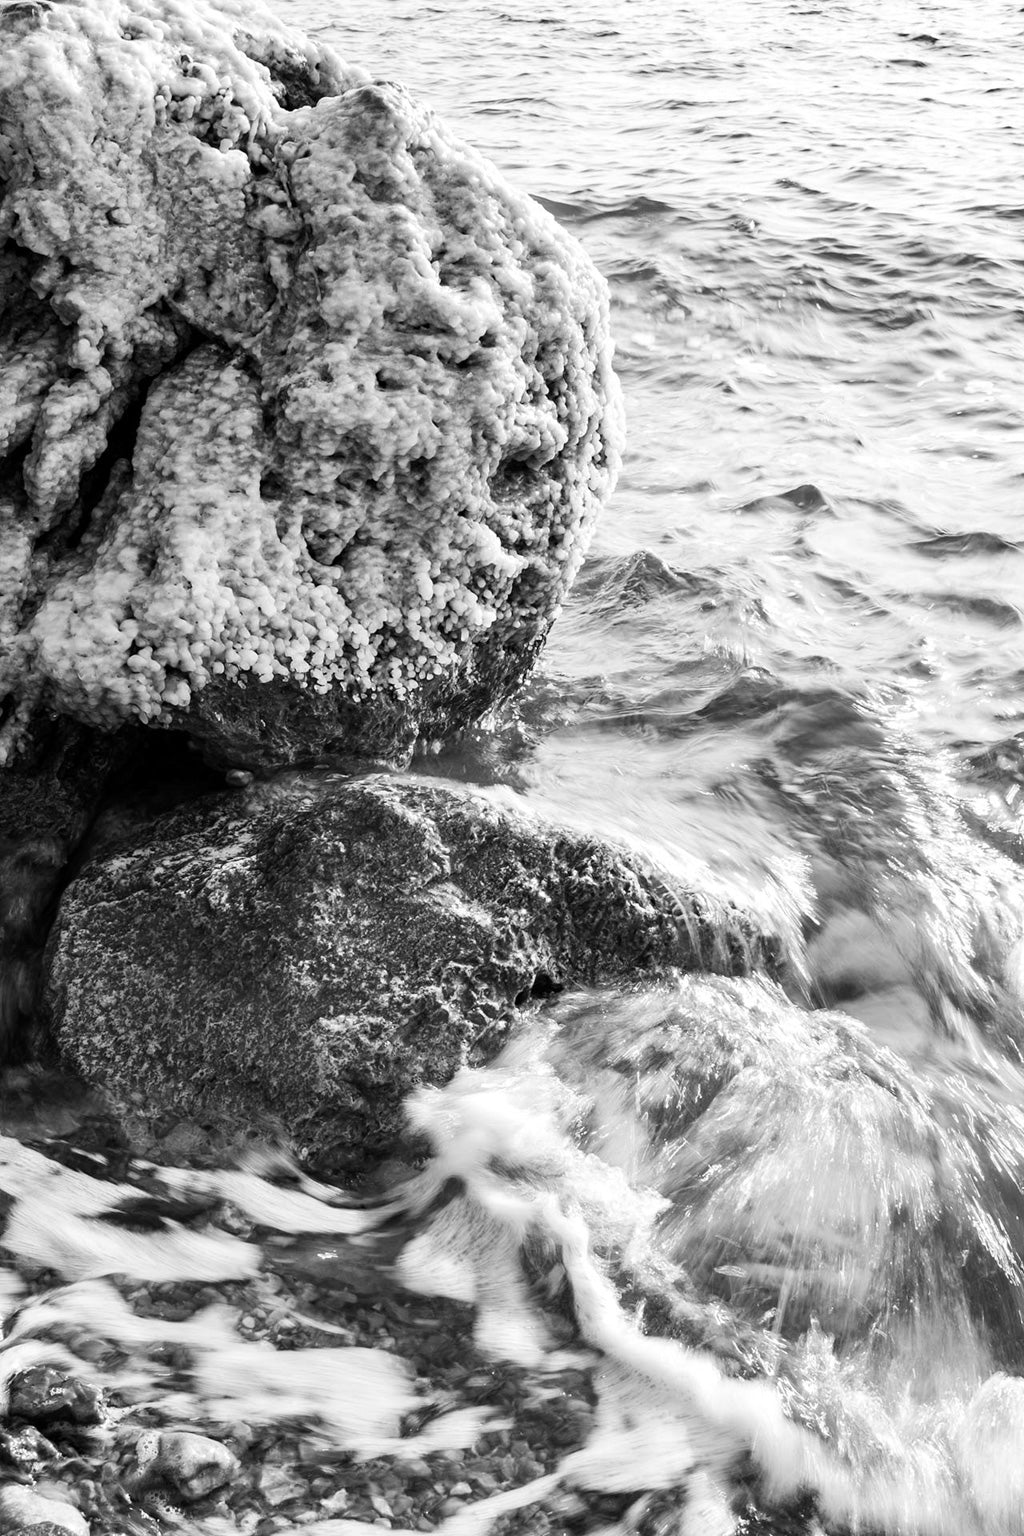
(21, 1510)
(46, 1527)
(43, 1528)
(194, 1465)
(319, 946)
(305, 416)
(50, 784)
(44, 1394)
(23, 1451)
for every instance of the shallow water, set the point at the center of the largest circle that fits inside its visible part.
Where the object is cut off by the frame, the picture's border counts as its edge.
(792, 670)
(793, 663)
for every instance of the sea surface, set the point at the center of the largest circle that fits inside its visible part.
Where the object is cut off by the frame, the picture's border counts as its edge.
(793, 665)
(792, 672)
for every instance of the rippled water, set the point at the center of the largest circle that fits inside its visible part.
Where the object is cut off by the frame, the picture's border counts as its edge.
(811, 224)
(792, 668)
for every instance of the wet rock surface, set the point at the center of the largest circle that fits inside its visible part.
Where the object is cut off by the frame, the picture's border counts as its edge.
(315, 948)
(24, 1452)
(45, 1394)
(60, 783)
(191, 1465)
(305, 415)
(49, 787)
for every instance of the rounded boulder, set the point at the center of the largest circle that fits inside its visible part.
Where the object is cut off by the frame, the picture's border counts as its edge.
(305, 414)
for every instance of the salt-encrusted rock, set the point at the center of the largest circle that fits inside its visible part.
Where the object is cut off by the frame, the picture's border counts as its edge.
(304, 414)
(318, 947)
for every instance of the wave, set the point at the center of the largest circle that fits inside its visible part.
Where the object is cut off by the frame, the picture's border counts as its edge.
(641, 1151)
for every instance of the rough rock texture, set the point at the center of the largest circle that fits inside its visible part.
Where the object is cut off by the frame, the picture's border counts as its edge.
(43, 1394)
(47, 798)
(304, 414)
(319, 946)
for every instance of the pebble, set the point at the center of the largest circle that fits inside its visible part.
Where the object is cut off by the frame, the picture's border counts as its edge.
(44, 1394)
(91, 1349)
(276, 1485)
(418, 1468)
(193, 1464)
(240, 1434)
(336, 1503)
(287, 1478)
(24, 1450)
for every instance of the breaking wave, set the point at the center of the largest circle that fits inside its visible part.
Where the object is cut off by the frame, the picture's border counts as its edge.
(788, 1263)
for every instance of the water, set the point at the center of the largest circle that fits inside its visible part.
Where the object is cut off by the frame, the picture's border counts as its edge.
(813, 248)
(792, 669)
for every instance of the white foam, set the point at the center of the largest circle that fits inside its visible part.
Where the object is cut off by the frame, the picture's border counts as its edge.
(902, 1435)
(45, 1233)
(667, 1412)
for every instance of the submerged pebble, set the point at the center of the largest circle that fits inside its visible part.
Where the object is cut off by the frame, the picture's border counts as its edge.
(193, 1464)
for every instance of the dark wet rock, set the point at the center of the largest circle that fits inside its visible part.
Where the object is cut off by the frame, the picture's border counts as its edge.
(319, 946)
(50, 784)
(63, 789)
(305, 416)
(43, 1528)
(47, 1528)
(23, 1451)
(44, 1395)
(805, 498)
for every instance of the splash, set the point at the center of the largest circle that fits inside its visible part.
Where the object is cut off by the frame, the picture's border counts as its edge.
(747, 1223)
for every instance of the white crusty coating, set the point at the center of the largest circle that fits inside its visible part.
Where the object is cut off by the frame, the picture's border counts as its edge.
(360, 388)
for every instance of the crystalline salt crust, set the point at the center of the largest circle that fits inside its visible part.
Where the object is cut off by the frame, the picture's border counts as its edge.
(296, 392)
